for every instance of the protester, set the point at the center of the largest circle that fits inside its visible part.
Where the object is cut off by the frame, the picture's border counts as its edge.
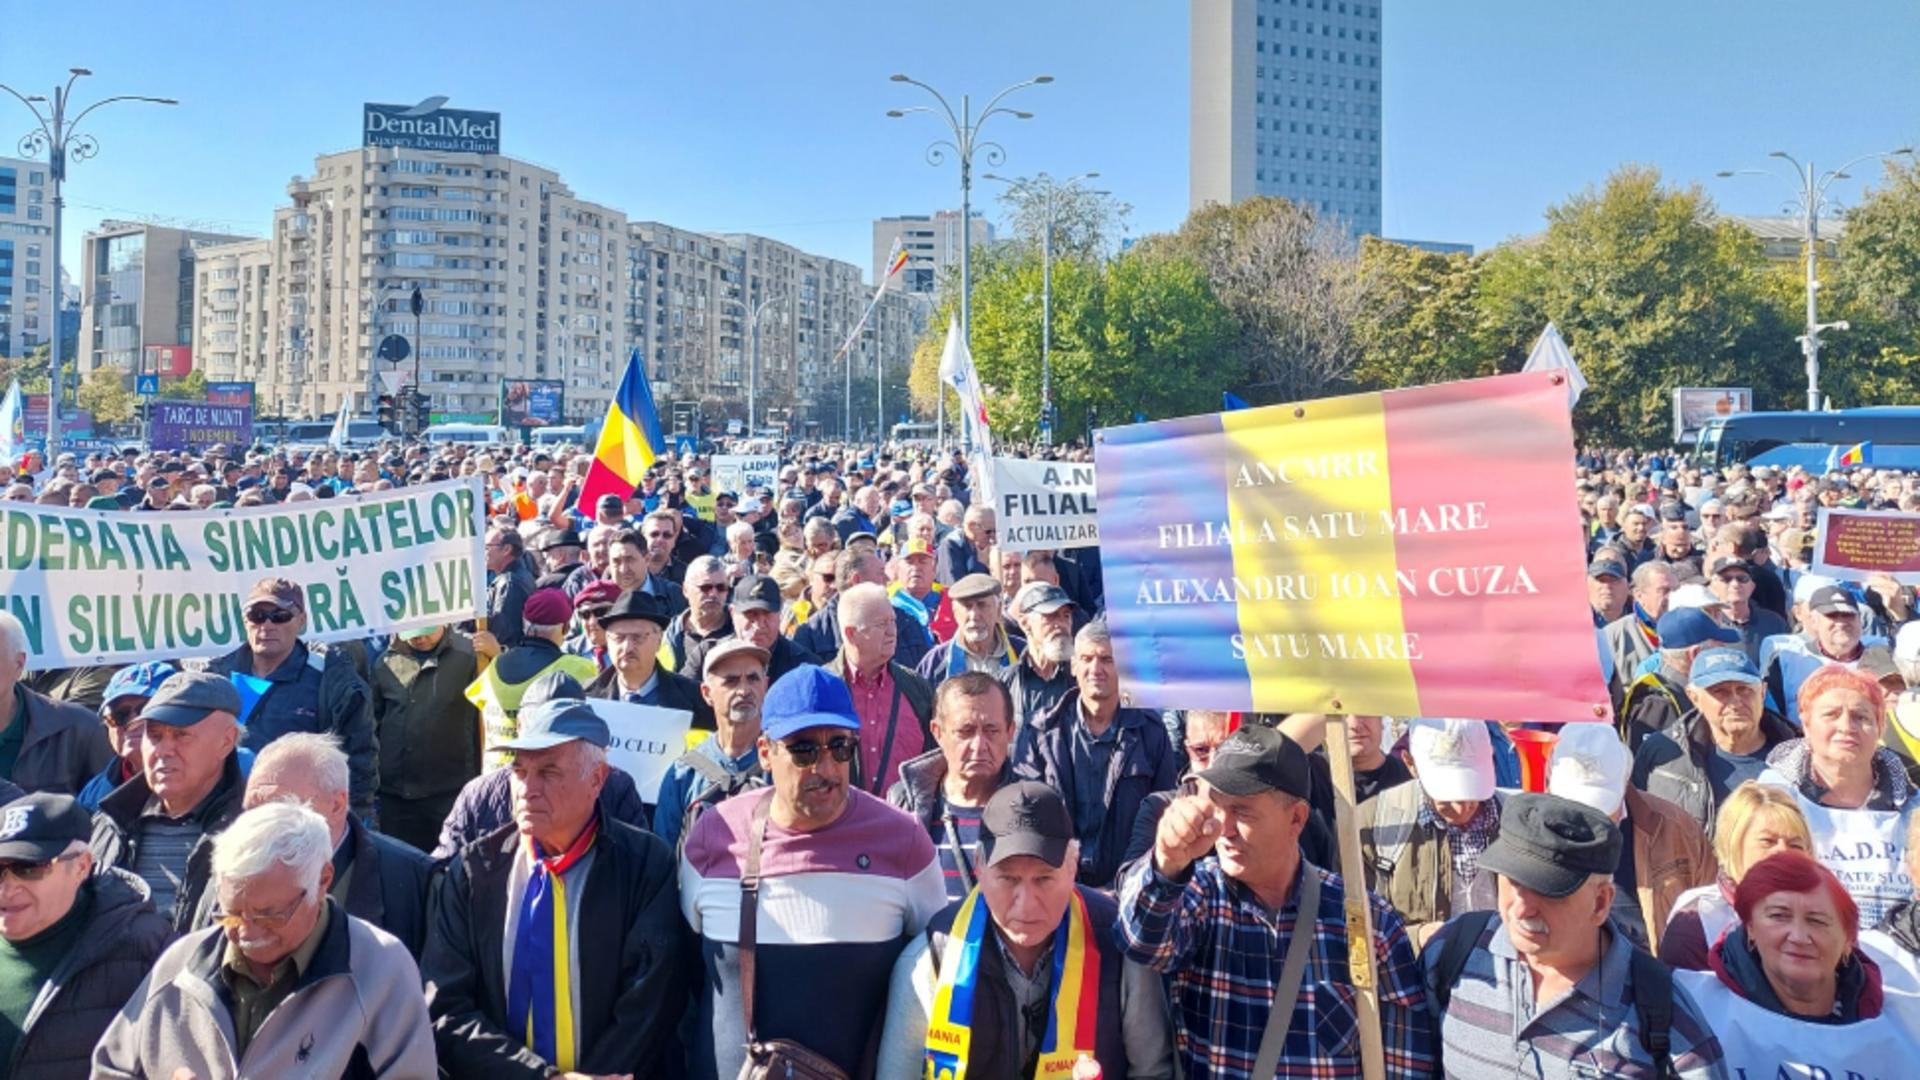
(820, 635)
(555, 946)
(1831, 636)
(707, 589)
(312, 687)
(1732, 579)
(1545, 978)
(45, 745)
(733, 685)
(1635, 636)
(129, 691)
(1422, 844)
(634, 626)
(1220, 903)
(947, 788)
(288, 984)
(1655, 700)
(1853, 791)
(509, 584)
(755, 611)
(842, 878)
(161, 824)
(561, 549)
(1721, 742)
(1607, 590)
(503, 685)
(1895, 940)
(375, 877)
(965, 552)
(1663, 852)
(429, 732)
(1374, 770)
(1031, 955)
(1756, 821)
(980, 641)
(894, 705)
(1043, 678)
(74, 945)
(1789, 991)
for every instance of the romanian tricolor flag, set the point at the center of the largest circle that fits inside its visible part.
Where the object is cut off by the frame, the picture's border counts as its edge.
(630, 440)
(1398, 554)
(1857, 454)
(897, 259)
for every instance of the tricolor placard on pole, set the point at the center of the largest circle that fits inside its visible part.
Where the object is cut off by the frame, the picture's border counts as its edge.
(1409, 553)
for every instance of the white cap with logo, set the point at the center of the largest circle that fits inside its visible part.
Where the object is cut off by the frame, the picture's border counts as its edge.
(1453, 758)
(1590, 765)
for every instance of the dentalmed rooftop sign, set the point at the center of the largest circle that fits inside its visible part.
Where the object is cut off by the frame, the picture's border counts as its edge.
(450, 130)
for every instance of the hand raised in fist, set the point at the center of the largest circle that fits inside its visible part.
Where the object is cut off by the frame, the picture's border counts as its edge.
(1187, 831)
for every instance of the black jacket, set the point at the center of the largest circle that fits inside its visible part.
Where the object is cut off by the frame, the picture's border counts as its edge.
(786, 656)
(486, 803)
(955, 558)
(1673, 764)
(64, 746)
(671, 692)
(389, 885)
(1142, 764)
(122, 938)
(506, 597)
(116, 836)
(634, 962)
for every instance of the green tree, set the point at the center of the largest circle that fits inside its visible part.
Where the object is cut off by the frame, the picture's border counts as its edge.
(1419, 319)
(190, 387)
(1876, 279)
(105, 395)
(1085, 219)
(1651, 291)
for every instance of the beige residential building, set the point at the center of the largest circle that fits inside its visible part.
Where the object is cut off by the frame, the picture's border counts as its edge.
(691, 301)
(518, 276)
(233, 313)
(139, 309)
(932, 244)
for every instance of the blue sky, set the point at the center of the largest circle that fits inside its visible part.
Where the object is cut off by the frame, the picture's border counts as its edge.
(730, 115)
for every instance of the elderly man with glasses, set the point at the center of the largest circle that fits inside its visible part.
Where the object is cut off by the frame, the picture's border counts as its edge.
(311, 687)
(129, 691)
(286, 984)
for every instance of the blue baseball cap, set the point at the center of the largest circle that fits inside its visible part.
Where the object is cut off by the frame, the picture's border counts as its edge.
(1715, 666)
(555, 721)
(1686, 627)
(137, 680)
(809, 696)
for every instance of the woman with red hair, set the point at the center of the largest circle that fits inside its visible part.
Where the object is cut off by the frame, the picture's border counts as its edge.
(1790, 992)
(1853, 791)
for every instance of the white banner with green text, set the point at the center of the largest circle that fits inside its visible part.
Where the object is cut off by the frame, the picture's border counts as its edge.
(107, 587)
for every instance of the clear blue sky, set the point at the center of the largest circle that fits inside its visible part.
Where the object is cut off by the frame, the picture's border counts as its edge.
(767, 116)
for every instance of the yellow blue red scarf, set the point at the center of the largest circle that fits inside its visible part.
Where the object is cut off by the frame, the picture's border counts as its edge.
(540, 986)
(1070, 1019)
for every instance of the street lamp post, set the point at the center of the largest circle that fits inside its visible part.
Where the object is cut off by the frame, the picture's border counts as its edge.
(1049, 189)
(753, 361)
(58, 137)
(966, 140)
(1811, 190)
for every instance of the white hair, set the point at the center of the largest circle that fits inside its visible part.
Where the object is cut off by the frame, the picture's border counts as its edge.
(309, 753)
(13, 635)
(853, 597)
(739, 529)
(270, 835)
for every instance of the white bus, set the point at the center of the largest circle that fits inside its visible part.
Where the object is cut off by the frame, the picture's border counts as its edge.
(558, 436)
(474, 434)
(914, 434)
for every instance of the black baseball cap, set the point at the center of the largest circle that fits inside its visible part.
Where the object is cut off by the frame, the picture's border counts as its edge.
(1026, 818)
(756, 592)
(1256, 759)
(1832, 600)
(1552, 845)
(40, 827)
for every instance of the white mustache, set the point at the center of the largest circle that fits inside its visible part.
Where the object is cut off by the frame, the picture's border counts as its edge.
(1533, 926)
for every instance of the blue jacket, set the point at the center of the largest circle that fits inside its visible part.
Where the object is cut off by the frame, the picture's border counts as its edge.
(315, 689)
(1142, 764)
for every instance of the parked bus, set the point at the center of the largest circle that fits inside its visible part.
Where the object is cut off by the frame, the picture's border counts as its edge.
(1785, 439)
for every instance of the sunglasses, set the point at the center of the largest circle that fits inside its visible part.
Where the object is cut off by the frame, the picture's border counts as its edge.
(719, 588)
(805, 754)
(122, 715)
(276, 616)
(33, 871)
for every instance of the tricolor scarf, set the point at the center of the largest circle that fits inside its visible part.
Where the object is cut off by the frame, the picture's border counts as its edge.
(957, 656)
(1071, 1018)
(1647, 623)
(540, 986)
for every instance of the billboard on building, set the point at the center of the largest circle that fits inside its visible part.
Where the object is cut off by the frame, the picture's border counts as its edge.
(174, 360)
(526, 403)
(230, 393)
(449, 130)
(1693, 406)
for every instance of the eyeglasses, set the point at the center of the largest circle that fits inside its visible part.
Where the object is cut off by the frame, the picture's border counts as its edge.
(262, 920)
(807, 754)
(276, 616)
(30, 872)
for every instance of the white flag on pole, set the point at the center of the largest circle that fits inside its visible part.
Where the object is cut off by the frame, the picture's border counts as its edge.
(1550, 353)
(957, 371)
(13, 424)
(337, 438)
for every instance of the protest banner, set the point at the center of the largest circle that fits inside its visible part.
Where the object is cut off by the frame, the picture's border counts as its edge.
(1854, 545)
(1044, 504)
(194, 425)
(738, 472)
(645, 741)
(111, 587)
(1411, 553)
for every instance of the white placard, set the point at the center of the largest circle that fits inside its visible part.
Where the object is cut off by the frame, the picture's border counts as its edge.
(1044, 504)
(645, 741)
(738, 472)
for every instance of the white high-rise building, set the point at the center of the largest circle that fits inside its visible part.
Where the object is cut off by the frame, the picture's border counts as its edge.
(932, 244)
(1286, 102)
(233, 310)
(27, 308)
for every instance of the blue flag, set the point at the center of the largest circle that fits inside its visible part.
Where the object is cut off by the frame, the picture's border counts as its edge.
(1232, 402)
(252, 689)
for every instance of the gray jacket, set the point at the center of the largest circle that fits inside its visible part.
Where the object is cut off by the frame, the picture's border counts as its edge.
(357, 1011)
(64, 746)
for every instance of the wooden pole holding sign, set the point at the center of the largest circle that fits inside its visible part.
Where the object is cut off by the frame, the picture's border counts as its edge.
(1359, 916)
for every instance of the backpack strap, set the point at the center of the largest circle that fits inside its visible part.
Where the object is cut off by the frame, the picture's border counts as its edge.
(1393, 826)
(1463, 936)
(713, 771)
(1653, 1004)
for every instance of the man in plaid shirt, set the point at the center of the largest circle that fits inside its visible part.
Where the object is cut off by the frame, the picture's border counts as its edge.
(1214, 906)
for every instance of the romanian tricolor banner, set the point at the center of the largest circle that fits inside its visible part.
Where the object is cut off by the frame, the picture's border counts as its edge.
(630, 440)
(1409, 553)
(896, 259)
(1072, 1015)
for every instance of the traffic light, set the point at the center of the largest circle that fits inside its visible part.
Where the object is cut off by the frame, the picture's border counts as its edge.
(386, 414)
(422, 413)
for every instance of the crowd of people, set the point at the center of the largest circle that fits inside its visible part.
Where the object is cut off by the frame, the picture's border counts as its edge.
(919, 830)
